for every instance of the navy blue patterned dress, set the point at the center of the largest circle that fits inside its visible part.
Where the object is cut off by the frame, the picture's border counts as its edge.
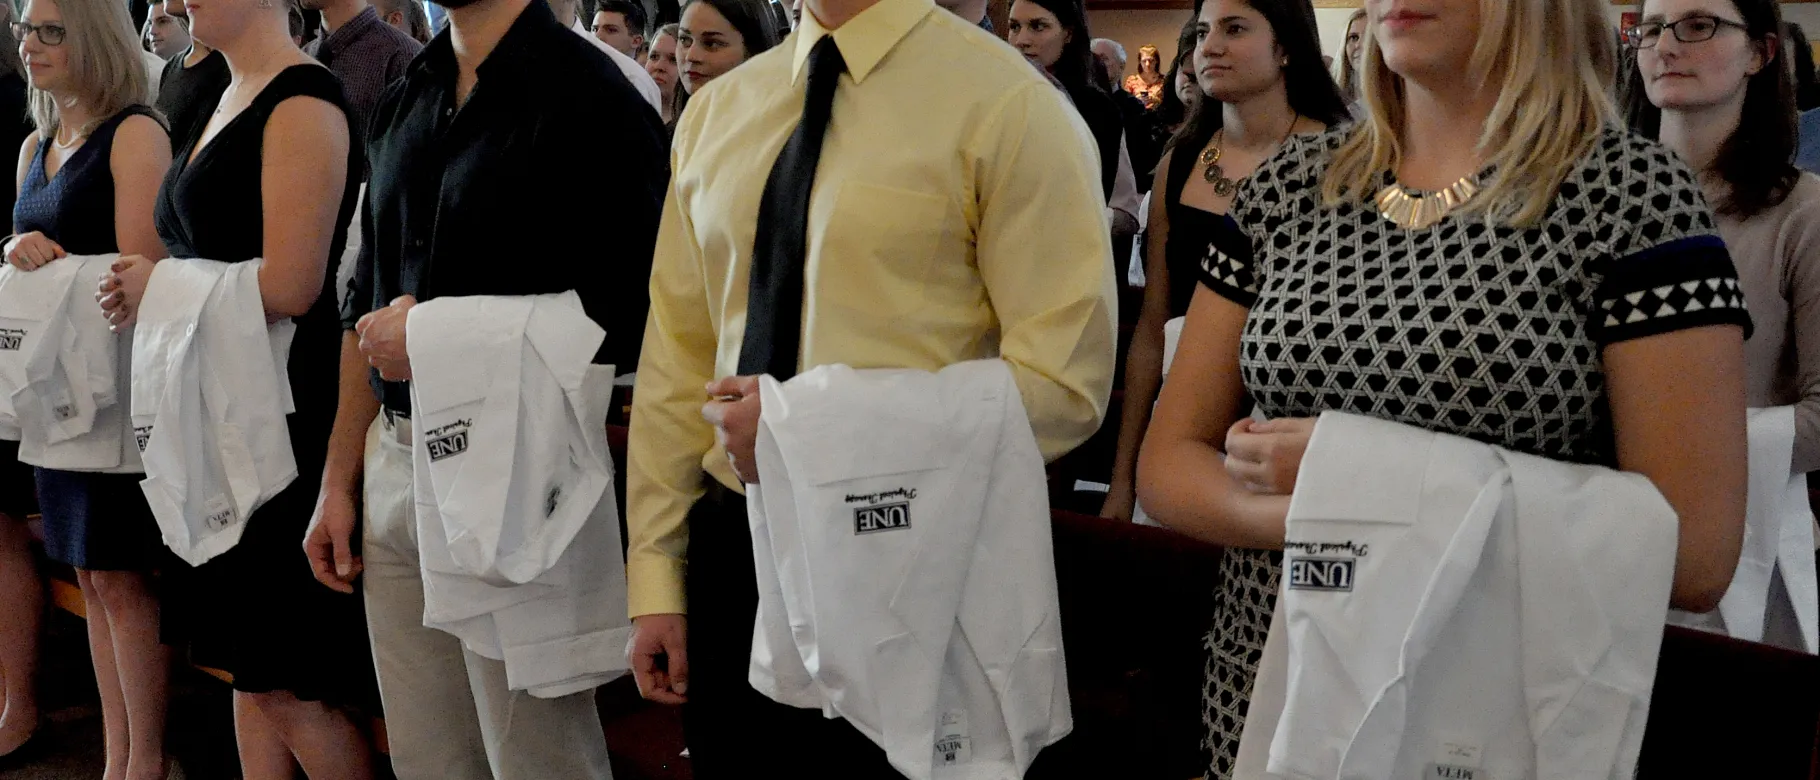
(91, 521)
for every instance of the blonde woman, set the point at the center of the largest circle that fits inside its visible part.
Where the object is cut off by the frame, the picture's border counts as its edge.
(1147, 84)
(271, 174)
(1353, 52)
(21, 591)
(662, 65)
(87, 179)
(1527, 317)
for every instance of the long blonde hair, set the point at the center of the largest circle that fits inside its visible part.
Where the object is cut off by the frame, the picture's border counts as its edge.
(1552, 63)
(104, 62)
(1349, 75)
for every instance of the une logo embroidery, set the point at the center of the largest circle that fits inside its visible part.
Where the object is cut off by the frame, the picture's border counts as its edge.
(144, 435)
(1327, 574)
(447, 441)
(884, 517)
(11, 340)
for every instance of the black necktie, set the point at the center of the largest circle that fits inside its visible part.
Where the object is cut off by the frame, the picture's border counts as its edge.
(774, 303)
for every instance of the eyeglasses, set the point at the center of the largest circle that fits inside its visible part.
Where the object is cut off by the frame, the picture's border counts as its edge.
(1691, 29)
(48, 34)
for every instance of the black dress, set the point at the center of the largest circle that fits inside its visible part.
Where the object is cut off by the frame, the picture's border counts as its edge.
(17, 498)
(1491, 333)
(91, 520)
(1190, 229)
(187, 96)
(256, 611)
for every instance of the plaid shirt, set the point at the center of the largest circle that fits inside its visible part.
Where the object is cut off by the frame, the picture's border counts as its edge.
(366, 54)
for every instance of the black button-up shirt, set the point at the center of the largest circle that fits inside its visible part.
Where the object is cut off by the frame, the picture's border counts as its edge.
(550, 178)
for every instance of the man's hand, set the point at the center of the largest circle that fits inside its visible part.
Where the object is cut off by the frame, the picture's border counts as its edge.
(382, 339)
(329, 542)
(734, 414)
(1265, 457)
(659, 657)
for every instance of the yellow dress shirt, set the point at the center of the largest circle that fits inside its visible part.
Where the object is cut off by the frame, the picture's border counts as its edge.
(956, 215)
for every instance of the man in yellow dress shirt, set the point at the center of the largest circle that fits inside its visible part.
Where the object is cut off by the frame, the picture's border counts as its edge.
(956, 213)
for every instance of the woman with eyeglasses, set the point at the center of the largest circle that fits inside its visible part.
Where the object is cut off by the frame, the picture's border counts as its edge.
(86, 183)
(21, 590)
(1490, 253)
(1351, 56)
(1709, 83)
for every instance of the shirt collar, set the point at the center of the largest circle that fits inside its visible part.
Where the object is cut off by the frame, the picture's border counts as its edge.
(351, 31)
(865, 39)
(517, 49)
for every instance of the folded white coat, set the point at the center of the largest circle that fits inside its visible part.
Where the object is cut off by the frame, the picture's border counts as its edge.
(1773, 597)
(907, 574)
(210, 394)
(33, 324)
(1453, 609)
(517, 518)
(64, 385)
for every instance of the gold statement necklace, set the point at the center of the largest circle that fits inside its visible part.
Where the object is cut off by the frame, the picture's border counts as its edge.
(1223, 186)
(1419, 212)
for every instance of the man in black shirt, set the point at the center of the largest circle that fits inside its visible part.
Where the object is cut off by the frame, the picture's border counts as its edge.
(485, 180)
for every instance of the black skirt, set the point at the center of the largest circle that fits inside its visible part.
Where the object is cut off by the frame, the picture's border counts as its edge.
(18, 495)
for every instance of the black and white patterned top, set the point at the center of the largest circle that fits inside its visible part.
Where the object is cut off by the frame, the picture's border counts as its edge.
(1488, 332)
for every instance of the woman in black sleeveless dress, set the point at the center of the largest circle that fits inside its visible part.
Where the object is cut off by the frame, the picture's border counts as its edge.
(272, 176)
(88, 178)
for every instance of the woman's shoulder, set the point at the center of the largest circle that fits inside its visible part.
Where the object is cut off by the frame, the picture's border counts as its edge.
(1632, 166)
(1302, 160)
(303, 79)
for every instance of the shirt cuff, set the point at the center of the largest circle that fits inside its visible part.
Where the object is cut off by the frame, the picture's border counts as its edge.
(654, 586)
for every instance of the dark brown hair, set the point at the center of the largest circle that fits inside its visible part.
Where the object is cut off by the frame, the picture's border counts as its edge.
(1755, 160)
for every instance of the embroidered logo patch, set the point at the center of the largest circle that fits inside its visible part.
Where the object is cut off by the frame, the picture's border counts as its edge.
(143, 434)
(11, 339)
(447, 441)
(1328, 574)
(883, 517)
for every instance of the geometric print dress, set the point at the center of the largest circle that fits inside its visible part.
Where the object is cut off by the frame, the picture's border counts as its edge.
(1468, 328)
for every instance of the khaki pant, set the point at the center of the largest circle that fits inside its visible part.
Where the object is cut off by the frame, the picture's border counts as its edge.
(448, 712)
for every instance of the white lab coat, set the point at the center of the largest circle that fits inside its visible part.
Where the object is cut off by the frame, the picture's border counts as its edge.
(61, 379)
(210, 393)
(1773, 596)
(517, 518)
(1453, 609)
(907, 575)
(634, 72)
